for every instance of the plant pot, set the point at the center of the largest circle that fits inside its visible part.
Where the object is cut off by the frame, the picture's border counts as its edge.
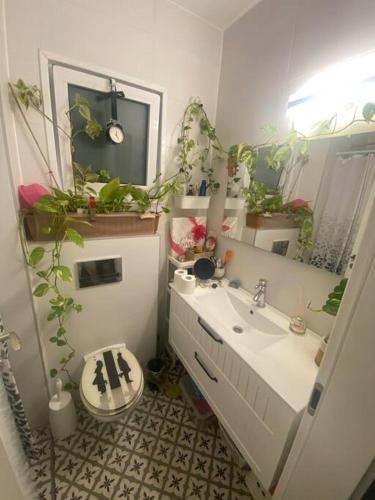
(232, 167)
(322, 349)
(114, 224)
(271, 221)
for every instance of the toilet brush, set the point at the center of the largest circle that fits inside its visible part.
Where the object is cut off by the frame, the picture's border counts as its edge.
(62, 413)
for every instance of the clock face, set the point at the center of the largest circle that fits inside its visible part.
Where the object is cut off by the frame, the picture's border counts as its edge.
(116, 134)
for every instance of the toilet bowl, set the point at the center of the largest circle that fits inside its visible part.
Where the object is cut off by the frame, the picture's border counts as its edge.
(111, 383)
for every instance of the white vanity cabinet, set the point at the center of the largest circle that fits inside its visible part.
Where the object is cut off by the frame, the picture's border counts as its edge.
(259, 421)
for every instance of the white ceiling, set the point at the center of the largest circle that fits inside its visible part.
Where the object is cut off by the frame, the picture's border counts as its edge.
(220, 13)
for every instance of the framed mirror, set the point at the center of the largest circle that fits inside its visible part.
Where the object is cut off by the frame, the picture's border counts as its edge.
(309, 208)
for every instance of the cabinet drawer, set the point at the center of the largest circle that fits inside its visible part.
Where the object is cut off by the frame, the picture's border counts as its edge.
(259, 445)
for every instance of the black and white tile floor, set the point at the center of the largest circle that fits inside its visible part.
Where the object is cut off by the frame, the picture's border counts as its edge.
(155, 452)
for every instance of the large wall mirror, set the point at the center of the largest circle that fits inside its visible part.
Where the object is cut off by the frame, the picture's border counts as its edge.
(309, 209)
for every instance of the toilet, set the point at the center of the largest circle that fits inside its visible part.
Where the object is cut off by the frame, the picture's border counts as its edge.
(111, 383)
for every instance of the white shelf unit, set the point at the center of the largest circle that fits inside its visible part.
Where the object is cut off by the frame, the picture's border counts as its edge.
(185, 202)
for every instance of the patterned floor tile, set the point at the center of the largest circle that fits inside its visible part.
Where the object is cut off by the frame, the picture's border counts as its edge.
(221, 473)
(146, 493)
(107, 484)
(201, 465)
(84, 445)
(128, 439)
(87, 475)
(217, 493)
(118, 460)
(163, 451)
(196, 489)
(70, 467)
(127, 489)
(175, 483)
(169, 431)
(156, 452)
(74, 493)
(100, 452)
(155, 475)
(137, 466)
(41, 472)
(181, 458)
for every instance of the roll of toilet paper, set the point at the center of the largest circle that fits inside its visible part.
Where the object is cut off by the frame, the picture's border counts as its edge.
(186, 284)
(178, 274)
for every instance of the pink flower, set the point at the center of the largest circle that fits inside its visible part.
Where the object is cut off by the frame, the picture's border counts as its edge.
(297, 203)
(199, 232)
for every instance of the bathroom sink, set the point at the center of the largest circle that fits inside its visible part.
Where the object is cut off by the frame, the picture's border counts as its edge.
(254, 327)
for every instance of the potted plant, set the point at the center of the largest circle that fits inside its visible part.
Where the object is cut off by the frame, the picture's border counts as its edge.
(331, 307)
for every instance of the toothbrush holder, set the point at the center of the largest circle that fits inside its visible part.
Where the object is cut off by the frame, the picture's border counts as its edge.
(219, 273)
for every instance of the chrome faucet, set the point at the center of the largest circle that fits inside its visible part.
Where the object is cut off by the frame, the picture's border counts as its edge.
(260, 297)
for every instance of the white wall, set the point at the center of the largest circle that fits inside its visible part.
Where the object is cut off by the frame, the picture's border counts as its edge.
(15, 296)
(113, 313)
(267, 54)
(151, 40)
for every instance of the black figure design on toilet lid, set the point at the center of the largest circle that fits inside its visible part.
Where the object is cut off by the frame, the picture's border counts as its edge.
(124, 367)
(112, 389)
(99, 378)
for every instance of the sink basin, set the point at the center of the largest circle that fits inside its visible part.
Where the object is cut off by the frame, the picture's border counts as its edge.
(254, 327)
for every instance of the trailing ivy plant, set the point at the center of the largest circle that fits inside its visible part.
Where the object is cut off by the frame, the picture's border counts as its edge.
(52, 273)
(47, 263)
(194, 152)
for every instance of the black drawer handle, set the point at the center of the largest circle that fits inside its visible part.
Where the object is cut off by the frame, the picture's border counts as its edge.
(204, 368)
(207, 330)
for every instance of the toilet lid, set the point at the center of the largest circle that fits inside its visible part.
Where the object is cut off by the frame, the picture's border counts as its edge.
(112, 380)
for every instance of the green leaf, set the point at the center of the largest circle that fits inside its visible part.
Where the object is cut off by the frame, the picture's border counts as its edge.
(36, 255)
(63, 272)
(74, 236)
(42, 274)
(68, 386)
(78, 308)
(110, 191)
(41, 290)
(368, 111)
(60, 342)
(53, 372)
(60, 331)
(52, 315)
(53, 340)
(46, 230)
(166, 210)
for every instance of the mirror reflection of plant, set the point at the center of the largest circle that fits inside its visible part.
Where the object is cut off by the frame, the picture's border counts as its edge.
(193, 153)
(294, 151)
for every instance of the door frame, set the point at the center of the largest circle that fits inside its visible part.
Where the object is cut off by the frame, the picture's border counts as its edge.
(339, 334)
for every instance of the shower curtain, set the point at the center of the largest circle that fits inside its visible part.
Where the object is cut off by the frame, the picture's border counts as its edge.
(14, 398)
(344, 192)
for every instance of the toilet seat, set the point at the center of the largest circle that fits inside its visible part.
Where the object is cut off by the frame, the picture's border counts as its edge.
(104, 389)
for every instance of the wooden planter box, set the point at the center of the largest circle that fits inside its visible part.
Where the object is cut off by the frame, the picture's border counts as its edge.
(114, 224)
(275, 221)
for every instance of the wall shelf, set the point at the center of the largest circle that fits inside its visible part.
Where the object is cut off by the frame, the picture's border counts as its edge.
(234, 203)
(191, 202)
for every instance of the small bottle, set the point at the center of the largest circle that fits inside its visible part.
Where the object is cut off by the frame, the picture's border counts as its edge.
(203, 188)
(190, 190)
(92, 208)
